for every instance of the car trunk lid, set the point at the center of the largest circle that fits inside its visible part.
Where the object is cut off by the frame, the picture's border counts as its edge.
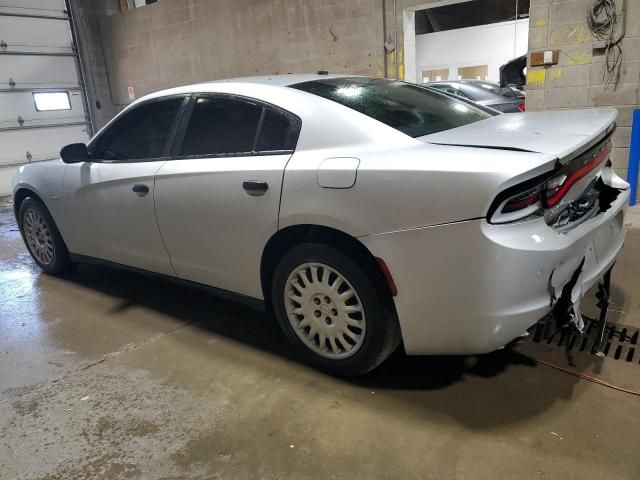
(564, 134)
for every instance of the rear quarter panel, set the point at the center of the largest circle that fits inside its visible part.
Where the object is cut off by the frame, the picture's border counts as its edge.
(404, 187)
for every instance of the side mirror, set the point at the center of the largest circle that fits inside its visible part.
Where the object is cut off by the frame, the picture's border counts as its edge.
(74, 153)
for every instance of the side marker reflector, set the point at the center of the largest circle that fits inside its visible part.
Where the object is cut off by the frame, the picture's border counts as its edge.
(387, 276)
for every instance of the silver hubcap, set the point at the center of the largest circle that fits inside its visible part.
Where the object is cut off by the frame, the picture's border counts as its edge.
(38, 236)
(324, 310)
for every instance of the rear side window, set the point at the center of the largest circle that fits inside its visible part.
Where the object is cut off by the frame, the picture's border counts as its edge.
(220, 125)
(414, 110)
(278, 132)
(139, 134)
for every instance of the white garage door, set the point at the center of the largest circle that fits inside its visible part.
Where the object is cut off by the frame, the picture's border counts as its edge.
(42, 103)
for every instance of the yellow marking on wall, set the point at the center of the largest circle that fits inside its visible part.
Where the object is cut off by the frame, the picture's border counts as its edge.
(536, 77)
(553, 38)
(540, 23)
(538, 40)
(580, 34)
(555, 73)
(580, 58)
(400, 72)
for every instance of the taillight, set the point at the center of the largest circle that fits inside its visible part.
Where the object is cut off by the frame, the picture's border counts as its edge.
(522, 107)
(546, 191)
(558, 186)
(528, 198)
(519, 202)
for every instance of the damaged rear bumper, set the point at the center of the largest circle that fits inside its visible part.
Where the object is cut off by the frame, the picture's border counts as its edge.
(472, 287)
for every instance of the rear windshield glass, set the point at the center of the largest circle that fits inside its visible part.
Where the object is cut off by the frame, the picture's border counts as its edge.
(409, 108)
(497, 89)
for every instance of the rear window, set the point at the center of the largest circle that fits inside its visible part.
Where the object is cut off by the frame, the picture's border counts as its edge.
(414, 110)
(498, 90)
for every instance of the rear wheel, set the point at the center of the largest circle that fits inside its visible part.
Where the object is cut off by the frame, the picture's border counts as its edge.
(331, 311)
(42, 237)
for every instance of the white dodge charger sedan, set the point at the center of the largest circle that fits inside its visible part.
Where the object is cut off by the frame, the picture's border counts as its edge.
(364, 212)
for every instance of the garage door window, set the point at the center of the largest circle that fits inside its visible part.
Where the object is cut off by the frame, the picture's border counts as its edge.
(139, 134)
(49, 101)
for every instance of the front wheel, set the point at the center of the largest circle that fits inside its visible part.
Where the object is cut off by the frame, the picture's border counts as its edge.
(42, 237)
(331, 310)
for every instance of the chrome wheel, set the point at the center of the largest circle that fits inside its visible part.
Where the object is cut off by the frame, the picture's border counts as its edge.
(324, 310)
(38, 236)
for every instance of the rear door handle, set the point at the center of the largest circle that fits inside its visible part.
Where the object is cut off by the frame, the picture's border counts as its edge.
(255, 188)
(140, 189)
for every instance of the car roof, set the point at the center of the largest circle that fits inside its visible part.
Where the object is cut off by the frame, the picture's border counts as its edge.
(281, 80)
(269, 81)
(346, 126)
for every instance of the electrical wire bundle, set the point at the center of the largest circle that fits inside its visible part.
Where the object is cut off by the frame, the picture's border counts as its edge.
(602, 20)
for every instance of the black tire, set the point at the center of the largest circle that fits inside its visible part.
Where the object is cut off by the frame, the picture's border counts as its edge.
(60, 261)
(381, 335)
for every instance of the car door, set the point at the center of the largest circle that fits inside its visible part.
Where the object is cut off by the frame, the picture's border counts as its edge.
(217, 201)
(109, 200)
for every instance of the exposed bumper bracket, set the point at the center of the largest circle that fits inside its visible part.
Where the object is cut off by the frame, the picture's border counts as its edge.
(566, 310)
(603, 296)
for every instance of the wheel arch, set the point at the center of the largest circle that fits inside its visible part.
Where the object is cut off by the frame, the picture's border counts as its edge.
(24, 192)
(21, 194)
(287, 238)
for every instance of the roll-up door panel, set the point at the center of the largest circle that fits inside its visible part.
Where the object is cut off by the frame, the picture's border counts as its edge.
(25, 34)
(21, 105)
(41, 143)
(53, 8)
(37, 56)
(37, 71)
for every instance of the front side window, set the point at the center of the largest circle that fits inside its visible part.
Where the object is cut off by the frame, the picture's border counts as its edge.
(139, 134)
(221, 125)
(413, 110)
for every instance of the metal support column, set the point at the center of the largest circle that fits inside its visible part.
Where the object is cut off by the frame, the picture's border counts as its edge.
(634, 157)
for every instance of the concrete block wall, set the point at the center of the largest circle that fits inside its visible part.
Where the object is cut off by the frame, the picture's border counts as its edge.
(175, 42)
(178, 42)
(577, 81)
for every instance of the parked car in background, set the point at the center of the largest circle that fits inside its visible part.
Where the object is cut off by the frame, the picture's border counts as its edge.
(513, 73)
(504, 99)
(363, 211)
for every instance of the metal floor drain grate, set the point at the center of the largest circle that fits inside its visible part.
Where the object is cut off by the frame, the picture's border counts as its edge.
(621, 343)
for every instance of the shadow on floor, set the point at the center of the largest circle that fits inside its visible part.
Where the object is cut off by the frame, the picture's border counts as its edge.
(417, 385)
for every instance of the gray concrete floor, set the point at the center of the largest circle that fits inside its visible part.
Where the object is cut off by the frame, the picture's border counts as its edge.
(107, 374)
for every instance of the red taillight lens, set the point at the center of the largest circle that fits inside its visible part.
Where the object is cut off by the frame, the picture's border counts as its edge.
(522, 107)
(571, 173)
(524, 200)
(518, 202)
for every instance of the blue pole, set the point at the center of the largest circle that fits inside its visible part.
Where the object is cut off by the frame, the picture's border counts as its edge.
(634, 157)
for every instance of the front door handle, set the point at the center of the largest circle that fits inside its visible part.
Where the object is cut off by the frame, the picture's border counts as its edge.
(255, 188)
(140, 189)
